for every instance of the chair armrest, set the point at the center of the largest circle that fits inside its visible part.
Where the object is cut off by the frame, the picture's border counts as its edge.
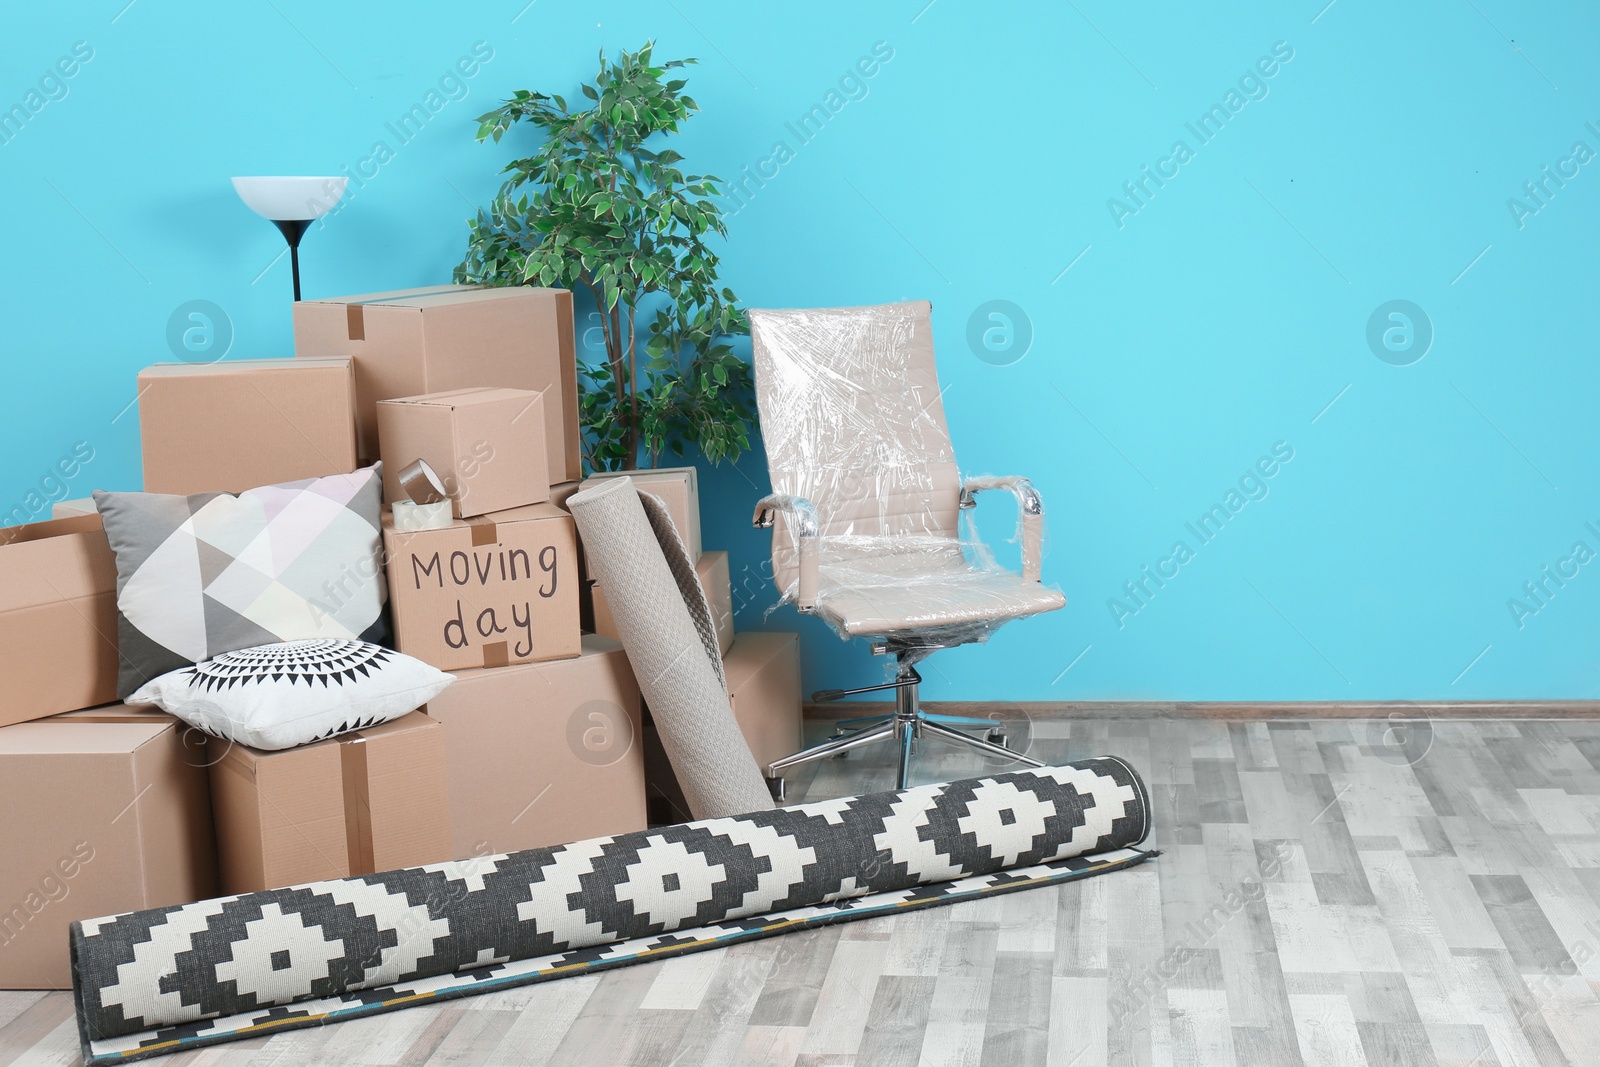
(807, 529)
(1030, 516)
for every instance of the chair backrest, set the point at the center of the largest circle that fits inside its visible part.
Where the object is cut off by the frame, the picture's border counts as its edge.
(852, 419)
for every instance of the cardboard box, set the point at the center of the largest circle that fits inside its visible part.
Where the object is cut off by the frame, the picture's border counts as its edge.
(560, 493)
(712, 568)
(429, 340)
(488, 591)
(679, 489)
(370, 800)
(763, 672)
(543, 753)
(235, 425)
(487, 445)
(105, 812)
(66, 509)
(58, 618)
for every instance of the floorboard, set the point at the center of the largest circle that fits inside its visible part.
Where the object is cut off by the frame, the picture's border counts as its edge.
(1331, 892)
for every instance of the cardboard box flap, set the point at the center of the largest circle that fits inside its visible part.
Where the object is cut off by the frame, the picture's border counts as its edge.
(433, 296)
(54, 561)
(135, 713)
(401, 297)
(77, 739)
(244, 366)
(38, 531)
(454, 398)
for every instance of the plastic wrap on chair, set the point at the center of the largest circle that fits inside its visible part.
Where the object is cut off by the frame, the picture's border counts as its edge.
(853, 423)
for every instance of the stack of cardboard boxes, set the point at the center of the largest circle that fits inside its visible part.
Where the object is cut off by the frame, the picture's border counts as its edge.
(542, 738)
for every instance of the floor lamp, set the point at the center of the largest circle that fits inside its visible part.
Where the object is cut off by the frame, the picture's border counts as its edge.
(291, 204)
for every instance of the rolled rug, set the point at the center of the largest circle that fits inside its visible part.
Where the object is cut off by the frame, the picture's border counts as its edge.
(167, 979)
(665, 625)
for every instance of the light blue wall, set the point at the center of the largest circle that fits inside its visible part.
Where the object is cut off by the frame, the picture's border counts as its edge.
(1187, 339)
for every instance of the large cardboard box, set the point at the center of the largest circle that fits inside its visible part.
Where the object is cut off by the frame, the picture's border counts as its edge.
(370, 800)
(58, 618)
(679, 489)
(106, 811)
(763, 673)
(488, 591)
(414, 341)
(543, 753)
(712, 568)
(487, 445)
(235, 425)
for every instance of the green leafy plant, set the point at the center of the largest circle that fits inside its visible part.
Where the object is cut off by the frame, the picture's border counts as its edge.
(594, 208)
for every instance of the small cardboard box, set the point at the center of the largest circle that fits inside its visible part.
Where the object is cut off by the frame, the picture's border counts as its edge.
(487, 591)
(58, 618)
(235, 425)
(486, 444)
(712, 568)
(679, 489)
(106, 811)
(543, 753)
(414, 341)
(370, 800)
(763, 673)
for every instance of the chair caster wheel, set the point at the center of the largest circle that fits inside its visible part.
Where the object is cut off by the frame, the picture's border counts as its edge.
(775, 787)
(996, 737)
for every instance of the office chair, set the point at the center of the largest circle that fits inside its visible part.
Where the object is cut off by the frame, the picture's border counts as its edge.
(865, 512)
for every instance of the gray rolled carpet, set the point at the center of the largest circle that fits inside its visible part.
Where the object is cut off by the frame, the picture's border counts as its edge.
(665, 625)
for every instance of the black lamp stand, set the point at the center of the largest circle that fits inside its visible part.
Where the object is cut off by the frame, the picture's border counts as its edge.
(293, 230)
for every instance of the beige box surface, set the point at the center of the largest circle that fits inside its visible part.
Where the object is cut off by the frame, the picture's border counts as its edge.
(679, 489)
(442, 337)
(560, 493)
(106, 811)
(487, 591)
(238, 424)
(487, 445)
(763, 672)
(67, 509)
(58, 618)
(543, 753)
(712, 568)
(370, 800)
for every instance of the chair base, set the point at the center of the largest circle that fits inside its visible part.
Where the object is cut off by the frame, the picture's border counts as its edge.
(908, 723)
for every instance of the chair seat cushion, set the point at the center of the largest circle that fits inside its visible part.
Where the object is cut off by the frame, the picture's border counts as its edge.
(867, 596)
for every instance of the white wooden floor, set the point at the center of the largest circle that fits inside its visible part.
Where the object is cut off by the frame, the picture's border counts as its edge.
(1328, 894)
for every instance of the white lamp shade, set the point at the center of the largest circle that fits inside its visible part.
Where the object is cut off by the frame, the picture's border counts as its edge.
(287, 199)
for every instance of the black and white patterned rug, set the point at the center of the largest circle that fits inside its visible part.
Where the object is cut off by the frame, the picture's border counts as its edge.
(167, 979)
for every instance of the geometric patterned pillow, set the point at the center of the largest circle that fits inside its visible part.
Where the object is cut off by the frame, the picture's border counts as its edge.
(201, 575)
(296, 692)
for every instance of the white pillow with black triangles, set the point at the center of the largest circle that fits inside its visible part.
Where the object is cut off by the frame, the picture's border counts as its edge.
(294, 692)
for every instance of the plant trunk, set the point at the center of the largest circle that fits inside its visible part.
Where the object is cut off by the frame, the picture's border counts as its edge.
(633, 392)
(625, 385)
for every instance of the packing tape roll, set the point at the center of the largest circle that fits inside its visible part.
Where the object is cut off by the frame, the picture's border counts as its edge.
(421, 484)
(412, 516)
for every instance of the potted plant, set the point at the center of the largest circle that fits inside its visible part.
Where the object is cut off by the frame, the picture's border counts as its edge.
(601, 206)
